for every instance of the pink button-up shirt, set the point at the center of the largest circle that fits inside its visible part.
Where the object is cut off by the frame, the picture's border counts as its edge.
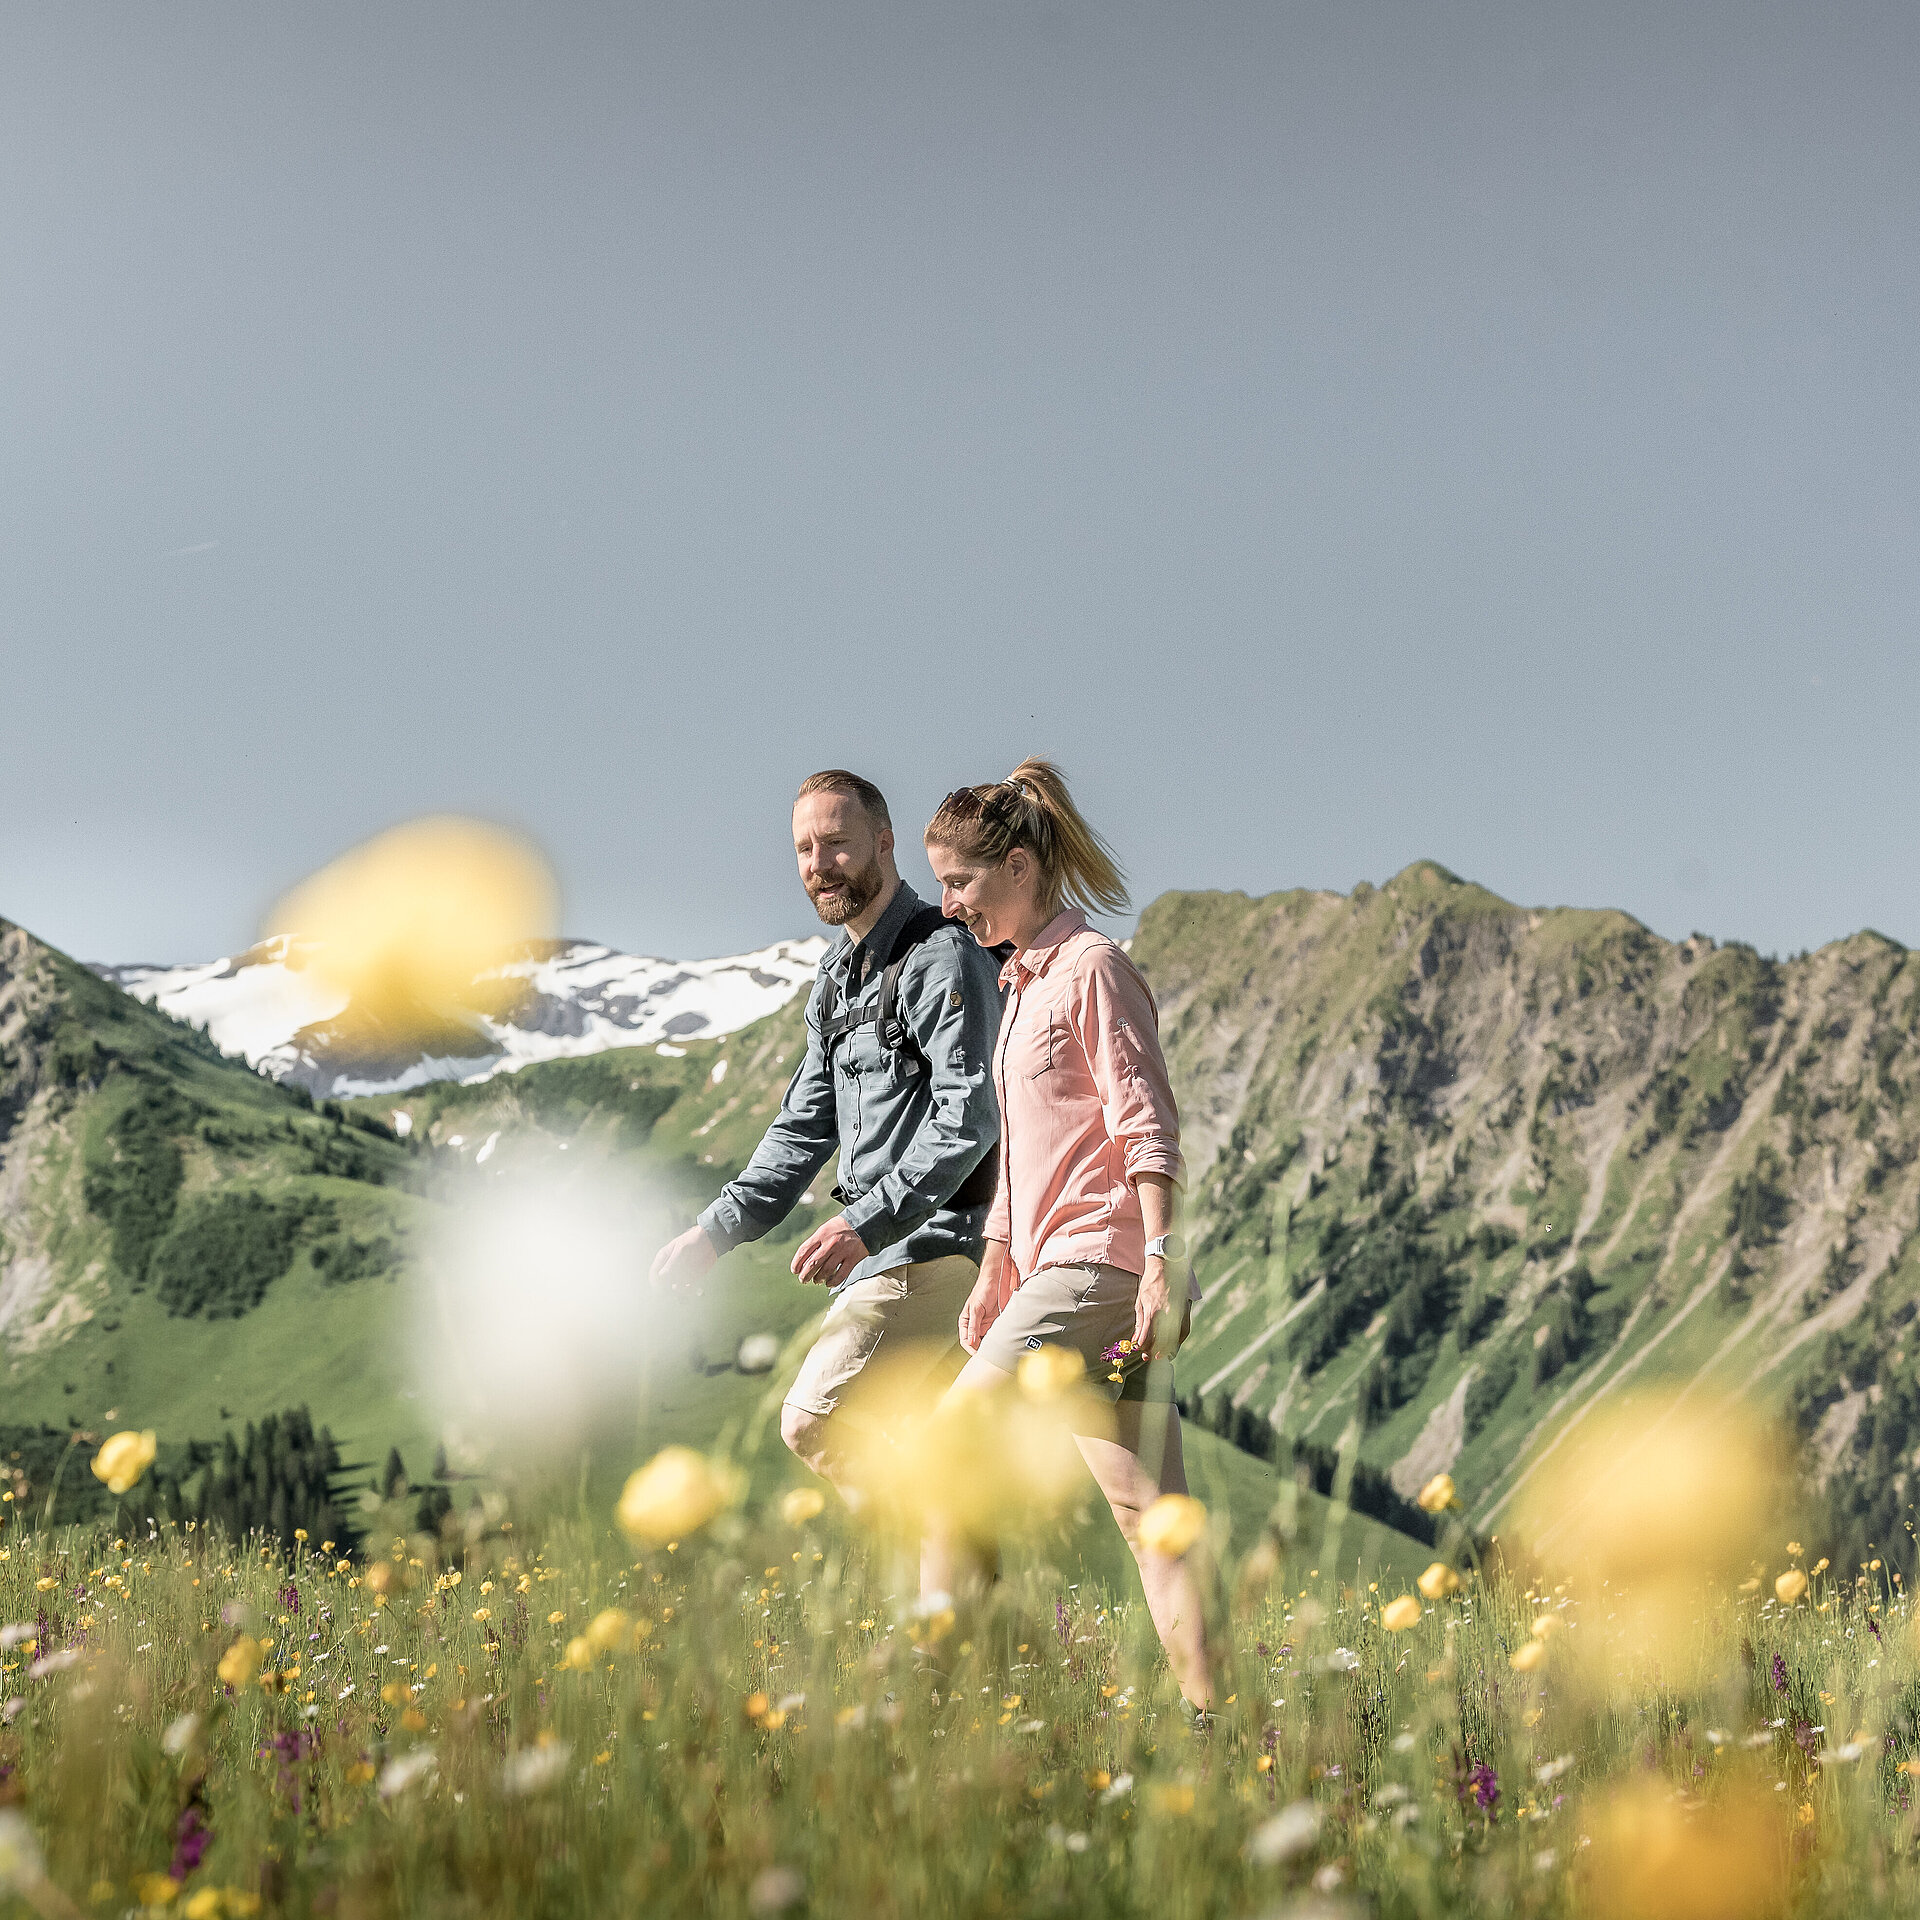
(1085, 1105)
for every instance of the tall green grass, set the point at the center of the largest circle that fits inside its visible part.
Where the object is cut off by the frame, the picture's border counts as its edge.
(762, 1723)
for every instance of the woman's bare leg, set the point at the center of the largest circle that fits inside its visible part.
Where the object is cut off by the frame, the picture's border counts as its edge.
(1139, 1462)
(1134, 1468)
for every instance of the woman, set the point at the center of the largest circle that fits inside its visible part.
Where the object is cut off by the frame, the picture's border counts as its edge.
(1080, 1251)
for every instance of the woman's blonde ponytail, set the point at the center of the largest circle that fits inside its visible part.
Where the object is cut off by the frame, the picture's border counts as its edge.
(1032, 808)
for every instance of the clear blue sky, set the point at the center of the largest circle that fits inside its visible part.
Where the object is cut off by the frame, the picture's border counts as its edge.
(1338, 434)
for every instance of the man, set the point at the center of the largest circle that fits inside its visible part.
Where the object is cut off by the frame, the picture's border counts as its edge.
(898, 1076)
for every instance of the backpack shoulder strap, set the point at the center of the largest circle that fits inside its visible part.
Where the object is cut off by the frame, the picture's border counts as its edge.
(921, 927)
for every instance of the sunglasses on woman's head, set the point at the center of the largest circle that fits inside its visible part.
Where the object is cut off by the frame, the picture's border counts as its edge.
(972, 800)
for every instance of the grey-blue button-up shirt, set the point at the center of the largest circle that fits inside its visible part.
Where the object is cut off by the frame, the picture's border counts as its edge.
(910, 1123)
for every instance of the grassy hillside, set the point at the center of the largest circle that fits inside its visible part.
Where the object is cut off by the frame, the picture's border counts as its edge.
(183, 1244)
(192, 1248)
(1462, 1169)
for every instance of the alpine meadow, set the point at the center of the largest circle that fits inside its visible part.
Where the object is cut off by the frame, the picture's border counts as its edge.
(1549, 1416)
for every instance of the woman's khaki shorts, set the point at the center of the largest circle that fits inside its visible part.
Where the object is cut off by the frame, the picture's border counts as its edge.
(1088, 1309)
(890, 1342)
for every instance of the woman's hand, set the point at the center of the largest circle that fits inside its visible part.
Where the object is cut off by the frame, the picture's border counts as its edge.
(989, 1297)
(1157, 1327)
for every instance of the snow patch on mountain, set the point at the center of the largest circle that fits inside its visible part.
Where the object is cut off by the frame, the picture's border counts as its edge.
(268, 1005)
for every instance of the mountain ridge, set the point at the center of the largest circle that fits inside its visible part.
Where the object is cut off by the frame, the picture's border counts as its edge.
(558, 999)
(1461, 1171)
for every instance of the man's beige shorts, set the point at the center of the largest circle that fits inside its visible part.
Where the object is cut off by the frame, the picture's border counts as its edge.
(891, 1342)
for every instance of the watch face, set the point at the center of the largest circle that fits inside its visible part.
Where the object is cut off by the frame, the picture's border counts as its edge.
(1173, 1246)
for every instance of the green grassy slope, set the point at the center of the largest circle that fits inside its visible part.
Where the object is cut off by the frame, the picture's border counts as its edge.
(98, 1091)
(1462, 1168)
(88, 1345)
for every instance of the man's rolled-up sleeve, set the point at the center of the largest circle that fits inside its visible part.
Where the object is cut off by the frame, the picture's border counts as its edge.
(800, 1142)
(951, 1004)
(1117, 1023)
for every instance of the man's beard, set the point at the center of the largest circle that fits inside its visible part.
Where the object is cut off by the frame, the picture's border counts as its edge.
(857, 892)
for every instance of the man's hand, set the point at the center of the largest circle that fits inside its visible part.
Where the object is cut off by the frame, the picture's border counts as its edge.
(989, 1297)
(829, 1253)
(1157, 1328)
(685, 1261)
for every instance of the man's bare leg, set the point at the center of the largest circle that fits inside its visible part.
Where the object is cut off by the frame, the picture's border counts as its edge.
(953, 1562)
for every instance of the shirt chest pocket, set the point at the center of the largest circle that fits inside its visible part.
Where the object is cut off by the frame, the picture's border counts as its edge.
(1036, 1045)
(864, 1057)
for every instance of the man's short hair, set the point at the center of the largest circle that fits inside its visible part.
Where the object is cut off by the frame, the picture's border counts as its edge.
(838, 780)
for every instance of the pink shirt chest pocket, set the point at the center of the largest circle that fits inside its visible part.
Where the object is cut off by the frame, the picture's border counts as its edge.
(1037, 1042)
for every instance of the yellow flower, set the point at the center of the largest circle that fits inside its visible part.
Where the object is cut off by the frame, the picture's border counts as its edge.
(1820, 1565)
(1525, 1659)
(410, 925)
(239, 1664)
(1173, 1524)
(414, 1720)
(204, 1905)
(1794, 1548)
(1048, 1372)
(1438, 1581)
(554, 1619)
(1790, 1586)
(579, 1654)
(608, 1629)
(1438, 1494)
(1172, 1800)
(802, 1504)
(122, 1459)
(1397, 1615)
(155, 1889)
(676, 1493)
(1655, 1857)
(483, 1613)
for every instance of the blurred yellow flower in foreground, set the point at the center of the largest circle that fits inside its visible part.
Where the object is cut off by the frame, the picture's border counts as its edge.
(1654, 1858)
(1438, 1494)
(676, 1493)
(1173, 1524)
(1790, 1586)
(801, 1504)
(1527, 1656)
(982, 1462)
(122, 1459)
(579, 1654)
(610, 1628)
(1397, 1615)
(1657, 1500)
(1438, 1581)
(241, 1662)
(1048, 1372)
(221, 1903)
(155, 1889)
(408, 924)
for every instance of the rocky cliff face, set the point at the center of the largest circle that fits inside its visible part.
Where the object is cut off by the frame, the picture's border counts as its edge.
(1461, 1168)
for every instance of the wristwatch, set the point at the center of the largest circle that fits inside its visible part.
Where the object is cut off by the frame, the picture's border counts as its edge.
(1167, 1246)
